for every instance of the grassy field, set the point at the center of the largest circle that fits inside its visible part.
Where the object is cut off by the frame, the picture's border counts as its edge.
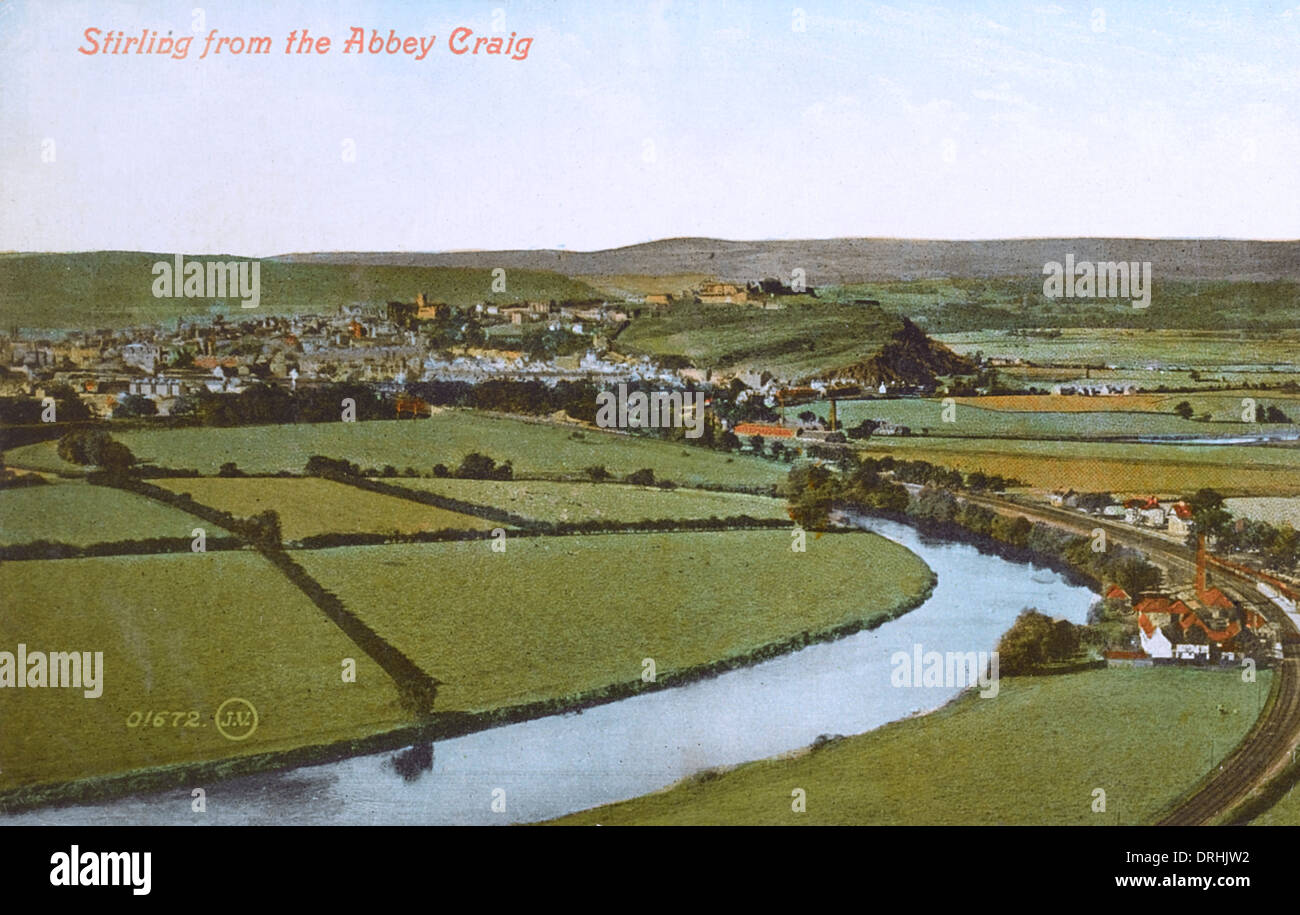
(1274, 511)
(1228, 308)
(974, 417)
(1208, 351)
(79, 513)
(447, 437)
(114, 289)
(542, 501)
(314, 506)
(554, 617)
(797, 340)
(1123, 468)
(179, 634)
(1033, 755)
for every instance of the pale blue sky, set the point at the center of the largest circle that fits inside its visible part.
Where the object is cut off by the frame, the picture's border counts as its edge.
(636, 121)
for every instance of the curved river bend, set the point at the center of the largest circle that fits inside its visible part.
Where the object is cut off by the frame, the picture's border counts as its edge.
(557, 765)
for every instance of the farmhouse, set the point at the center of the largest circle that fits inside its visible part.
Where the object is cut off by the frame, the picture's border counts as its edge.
(1180, 519)
(721, 294)
(1154, 642)
(764, 429)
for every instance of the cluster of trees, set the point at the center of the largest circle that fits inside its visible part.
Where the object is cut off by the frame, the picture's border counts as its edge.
(92, 446)
(1034, 641)
(1278, 546)
(532, 398)
(23, 411)
(476, 466)
(1270, 414)
(262, 404)
(813, 490)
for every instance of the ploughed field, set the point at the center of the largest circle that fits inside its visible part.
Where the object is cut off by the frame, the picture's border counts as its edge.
(1036, 754)
(1264, 470)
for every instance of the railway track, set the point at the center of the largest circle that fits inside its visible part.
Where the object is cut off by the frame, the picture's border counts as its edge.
(1268, 747)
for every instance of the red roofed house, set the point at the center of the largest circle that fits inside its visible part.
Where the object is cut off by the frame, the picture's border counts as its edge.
(1180, 519)
(1154, 642)
(1214, 635)
(763, 429)
(1127, 659)
(1158, 609)
(1115, 592)
(1216, 599)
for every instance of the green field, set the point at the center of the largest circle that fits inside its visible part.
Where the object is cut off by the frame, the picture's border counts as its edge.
(1122, 468)
(1147, 350)
(114, 289)
(958, 304)
(553, 502)
(1274, 511)
(179, 633)
(535, 448)
(1034, 755)
(555, 617)
(796, 340)
(78, 513)
(311, 506)
(925, 417)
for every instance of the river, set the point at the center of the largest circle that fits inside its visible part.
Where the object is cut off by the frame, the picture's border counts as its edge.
(564, 763)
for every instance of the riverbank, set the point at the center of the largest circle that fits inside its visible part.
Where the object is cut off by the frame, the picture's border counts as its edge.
(1036, 754)
(559, 764)
(896, 580)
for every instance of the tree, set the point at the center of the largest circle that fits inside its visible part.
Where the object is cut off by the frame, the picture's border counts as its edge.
(598, 473)
(756, 442)
(643, 477)
(135, 405)
(115, 458)
(931, 504)
(1274, 415)
(1024, 647)
(1184, 409)
(229, 469)
(83, 446)
(476, 466)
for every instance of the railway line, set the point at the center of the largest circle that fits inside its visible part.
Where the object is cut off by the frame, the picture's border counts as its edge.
(1271, 743)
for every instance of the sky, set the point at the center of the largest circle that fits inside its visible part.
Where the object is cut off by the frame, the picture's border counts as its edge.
(634, 121)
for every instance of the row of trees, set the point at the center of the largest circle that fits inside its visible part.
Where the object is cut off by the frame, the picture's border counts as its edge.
(813, 490)
(1277, 545)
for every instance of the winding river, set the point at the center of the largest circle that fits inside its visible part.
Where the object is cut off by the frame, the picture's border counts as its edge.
(552, 766)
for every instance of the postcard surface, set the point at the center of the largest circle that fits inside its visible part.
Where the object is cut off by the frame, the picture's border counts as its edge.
(696, 413)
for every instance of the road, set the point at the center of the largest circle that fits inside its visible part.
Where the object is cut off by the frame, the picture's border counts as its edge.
(1268, 747)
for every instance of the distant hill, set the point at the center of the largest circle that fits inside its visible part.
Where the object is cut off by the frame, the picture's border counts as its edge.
(106, 289)
(909, 357)
(865, 260)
